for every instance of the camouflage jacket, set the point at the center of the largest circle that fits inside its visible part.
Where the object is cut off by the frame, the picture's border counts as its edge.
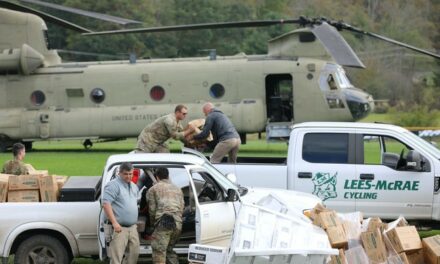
(15, 167)
(165, 197)
(158, 132)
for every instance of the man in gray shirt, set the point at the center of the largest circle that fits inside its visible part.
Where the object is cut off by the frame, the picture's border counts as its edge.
(223, 132)
(120, 207)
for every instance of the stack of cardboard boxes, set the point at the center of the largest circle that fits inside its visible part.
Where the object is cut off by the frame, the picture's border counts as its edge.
(371, 241)
(30, 188)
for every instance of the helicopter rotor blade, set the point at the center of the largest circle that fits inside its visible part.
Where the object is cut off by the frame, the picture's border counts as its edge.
(341, 25)
(109, 18)
(324, 29)
(239, 24)
(337, 46)
(46, 17)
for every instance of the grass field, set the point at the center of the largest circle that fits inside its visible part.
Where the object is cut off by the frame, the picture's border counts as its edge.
(70, 158)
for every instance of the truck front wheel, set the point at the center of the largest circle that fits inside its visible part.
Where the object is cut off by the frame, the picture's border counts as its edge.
(41, 249)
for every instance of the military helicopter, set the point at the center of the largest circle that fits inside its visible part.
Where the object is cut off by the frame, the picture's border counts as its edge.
(301, 78)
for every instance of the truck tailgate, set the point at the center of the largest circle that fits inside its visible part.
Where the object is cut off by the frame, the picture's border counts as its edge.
(257, 175)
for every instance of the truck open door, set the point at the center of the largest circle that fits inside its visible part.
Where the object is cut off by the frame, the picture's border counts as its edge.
(215, 216)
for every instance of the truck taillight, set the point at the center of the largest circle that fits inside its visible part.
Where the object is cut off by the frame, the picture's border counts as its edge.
(135, 177)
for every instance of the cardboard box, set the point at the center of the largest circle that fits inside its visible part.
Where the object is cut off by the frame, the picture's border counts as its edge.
(416, 257)
(411, 258)
(327, 219)
(61, 180)
(403, 258)
(376, 223)
(4, 181)
(404, 239)
(24, 182)
(319, 208)
(374, 246)
(49, 189)
(33, 171)
(23, 196)
(338, 259)
(431, 246)
(337, 236)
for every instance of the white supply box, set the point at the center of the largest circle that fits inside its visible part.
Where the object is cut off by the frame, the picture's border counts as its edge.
(206, 254)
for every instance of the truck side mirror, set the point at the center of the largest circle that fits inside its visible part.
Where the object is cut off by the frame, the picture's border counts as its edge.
(232, 195)
(231, 177)
(415, 161)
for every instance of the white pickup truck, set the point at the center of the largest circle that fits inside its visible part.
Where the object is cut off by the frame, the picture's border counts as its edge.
(378, 169)
(59, 231)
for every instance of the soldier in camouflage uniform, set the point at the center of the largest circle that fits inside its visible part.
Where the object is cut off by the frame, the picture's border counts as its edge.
(152, 138)
(165, 205)
(16, 166)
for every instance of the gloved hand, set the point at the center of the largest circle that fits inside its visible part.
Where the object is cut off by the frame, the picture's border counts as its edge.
(149, 231)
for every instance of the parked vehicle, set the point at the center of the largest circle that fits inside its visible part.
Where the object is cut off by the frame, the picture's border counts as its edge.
(59, 231)
(379, 169)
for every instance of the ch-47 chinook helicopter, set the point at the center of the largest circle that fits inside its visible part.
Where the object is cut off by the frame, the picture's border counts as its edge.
(300, 79)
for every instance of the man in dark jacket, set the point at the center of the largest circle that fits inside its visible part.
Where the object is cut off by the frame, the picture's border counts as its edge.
(223, 132)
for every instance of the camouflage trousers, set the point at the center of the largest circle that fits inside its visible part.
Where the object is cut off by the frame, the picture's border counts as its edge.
(150, 148)
(163, 244)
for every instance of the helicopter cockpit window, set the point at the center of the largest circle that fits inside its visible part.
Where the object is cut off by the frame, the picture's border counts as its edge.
(157, 93)
(97, 95)
(38, 98)
(46, 38)
(332, 77)
(217, 90)
(331, 82)
(342, 79)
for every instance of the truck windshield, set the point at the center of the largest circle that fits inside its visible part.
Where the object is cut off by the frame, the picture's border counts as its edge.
(219, 177)
(425, 144)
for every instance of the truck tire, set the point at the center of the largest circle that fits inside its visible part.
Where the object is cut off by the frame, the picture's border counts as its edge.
(41, 249)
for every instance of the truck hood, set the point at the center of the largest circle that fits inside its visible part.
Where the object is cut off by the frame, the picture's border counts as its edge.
(299, 201)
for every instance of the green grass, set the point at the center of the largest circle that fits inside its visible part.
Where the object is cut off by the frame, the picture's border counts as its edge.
(382, 118)
(70, 158)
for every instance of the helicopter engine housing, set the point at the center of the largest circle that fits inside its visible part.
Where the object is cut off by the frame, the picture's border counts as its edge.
(25, 60)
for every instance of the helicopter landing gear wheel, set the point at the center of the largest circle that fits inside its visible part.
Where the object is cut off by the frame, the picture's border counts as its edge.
(3, 146)
(87, 144)
(28, 145)
(5, 143)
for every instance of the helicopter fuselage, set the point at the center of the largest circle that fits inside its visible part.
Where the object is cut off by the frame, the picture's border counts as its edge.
(117, 98)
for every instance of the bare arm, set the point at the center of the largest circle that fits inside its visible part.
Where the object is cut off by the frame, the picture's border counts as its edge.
(109, 212)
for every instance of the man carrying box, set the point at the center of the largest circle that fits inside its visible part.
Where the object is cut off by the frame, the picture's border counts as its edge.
(16, 166)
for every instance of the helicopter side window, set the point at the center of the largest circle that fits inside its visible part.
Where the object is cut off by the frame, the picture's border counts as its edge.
(157, 93)
(217, 91)
(97, 95)
(38, 98)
